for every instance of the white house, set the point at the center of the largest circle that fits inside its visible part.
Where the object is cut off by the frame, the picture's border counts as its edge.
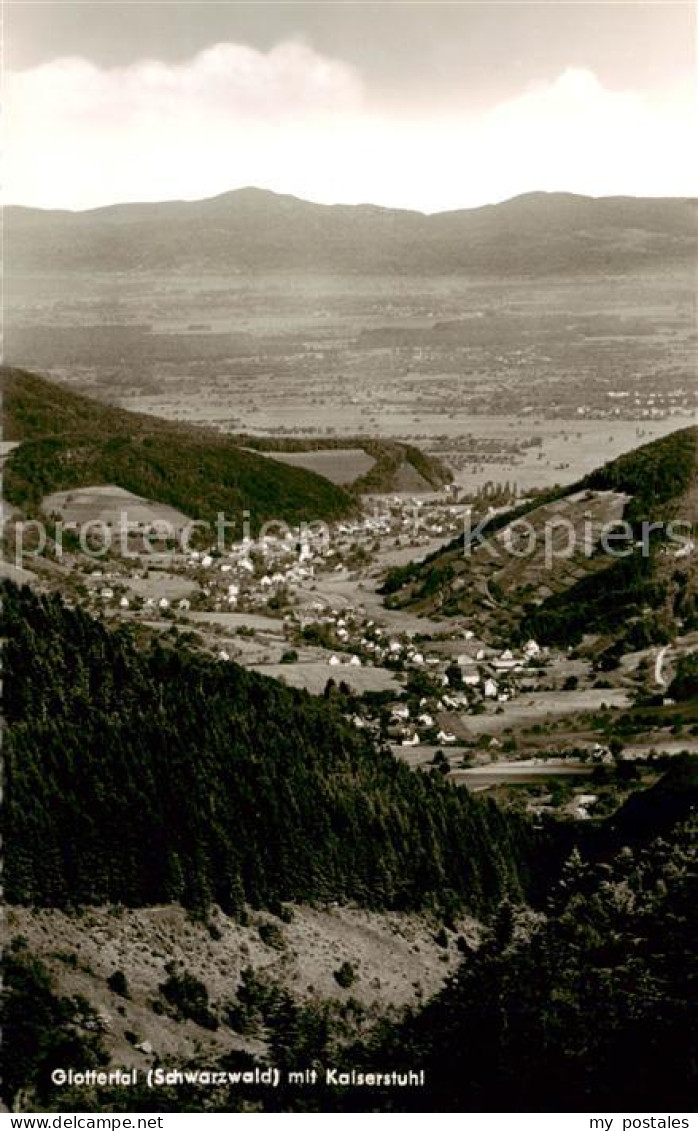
(490, 689)
(446, 737)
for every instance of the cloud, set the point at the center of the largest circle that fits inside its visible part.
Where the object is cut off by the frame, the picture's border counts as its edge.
(293, 120)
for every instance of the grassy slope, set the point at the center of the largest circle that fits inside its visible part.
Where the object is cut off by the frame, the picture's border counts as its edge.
(390, 457)
(661, 478)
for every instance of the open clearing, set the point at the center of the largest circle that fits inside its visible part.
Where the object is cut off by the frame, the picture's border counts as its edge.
(313, 676)
(232, 621)
(513, 773)
(15, 573)
(339, 465)
(544, 706)
(110, 505)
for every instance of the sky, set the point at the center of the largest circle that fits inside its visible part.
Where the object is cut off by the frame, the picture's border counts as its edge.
(428, 105)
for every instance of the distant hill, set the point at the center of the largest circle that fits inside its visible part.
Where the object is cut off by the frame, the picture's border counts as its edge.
(255, 230)
(68, 441)
(397, 466)
(514, 593)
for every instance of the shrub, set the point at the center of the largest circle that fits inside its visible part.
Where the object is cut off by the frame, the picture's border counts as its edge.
(271, 935)
(189, 997)
(117, 983)
(345, 975)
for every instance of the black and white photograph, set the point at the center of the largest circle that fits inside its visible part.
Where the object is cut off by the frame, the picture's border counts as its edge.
(349, 579)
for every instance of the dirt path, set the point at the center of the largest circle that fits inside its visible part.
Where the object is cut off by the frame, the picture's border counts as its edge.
(658, 665)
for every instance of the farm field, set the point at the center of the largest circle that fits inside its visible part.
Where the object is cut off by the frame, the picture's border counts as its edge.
(312, 675)
(544, 706)
(528, 381)
(109, 504)
(494, 773)
(519, 773)
(16, 573)
(339, 465)
(232, 621)
(342, 591)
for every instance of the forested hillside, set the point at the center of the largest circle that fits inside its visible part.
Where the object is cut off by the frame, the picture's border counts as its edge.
(140, 778)
(588, 1007)
(68, 441)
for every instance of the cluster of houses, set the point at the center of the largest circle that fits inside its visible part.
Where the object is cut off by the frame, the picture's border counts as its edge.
(250, 574)
(351, 631)
(411, 731)
(109, 594)
(451, 688)
(459, 675)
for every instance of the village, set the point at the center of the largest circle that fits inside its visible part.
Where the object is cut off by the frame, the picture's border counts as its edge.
(304, 606)
(448, 694)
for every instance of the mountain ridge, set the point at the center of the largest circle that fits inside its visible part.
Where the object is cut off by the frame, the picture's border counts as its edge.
(256, 192)
(257, 230)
